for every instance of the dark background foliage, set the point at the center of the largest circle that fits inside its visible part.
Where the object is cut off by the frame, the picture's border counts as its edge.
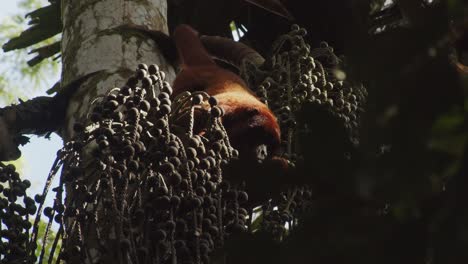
(400, 197)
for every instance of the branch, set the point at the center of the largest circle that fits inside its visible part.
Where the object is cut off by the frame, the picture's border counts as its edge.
(44, 53)
(39, 116)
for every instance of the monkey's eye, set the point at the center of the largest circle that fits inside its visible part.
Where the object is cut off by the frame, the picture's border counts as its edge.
(252, 112)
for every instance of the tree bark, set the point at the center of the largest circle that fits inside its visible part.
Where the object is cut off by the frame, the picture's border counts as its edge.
(97, 43)
(94, 41)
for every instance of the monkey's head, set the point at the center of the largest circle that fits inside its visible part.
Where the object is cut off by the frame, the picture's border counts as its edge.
(251, 126)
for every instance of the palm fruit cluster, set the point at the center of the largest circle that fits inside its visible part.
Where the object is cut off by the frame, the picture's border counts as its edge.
(294, 77)
(139, 180)
(281, 215)
(143, 174)
(15, 209)
(297, 75)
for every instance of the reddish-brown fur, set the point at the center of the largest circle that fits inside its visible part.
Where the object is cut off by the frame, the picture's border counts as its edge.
(248, 121)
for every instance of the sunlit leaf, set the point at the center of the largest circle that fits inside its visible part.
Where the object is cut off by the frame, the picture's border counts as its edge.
(273, 6)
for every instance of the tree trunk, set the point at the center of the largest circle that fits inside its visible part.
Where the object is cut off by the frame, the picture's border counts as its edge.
(95, 41)
(99, 48)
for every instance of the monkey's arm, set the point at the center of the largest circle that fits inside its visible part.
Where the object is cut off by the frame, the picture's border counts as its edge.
(168, 48)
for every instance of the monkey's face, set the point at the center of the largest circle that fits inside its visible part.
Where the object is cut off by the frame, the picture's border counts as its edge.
(252, 129)
(251, 126)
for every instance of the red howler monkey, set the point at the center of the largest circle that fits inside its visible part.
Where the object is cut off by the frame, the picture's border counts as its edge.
(251, 126)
